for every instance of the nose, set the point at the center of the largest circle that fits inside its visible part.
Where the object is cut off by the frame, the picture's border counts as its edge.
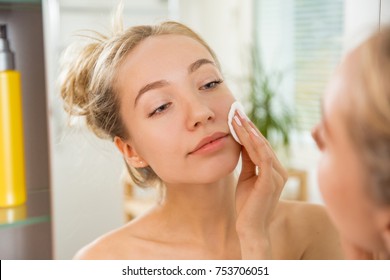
(198, 112)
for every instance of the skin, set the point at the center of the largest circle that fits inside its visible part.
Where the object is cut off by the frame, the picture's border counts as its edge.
(206, 213)
(363, 224)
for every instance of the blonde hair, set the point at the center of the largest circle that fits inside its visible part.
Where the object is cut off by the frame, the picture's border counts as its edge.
(369, 120)
(88, 81)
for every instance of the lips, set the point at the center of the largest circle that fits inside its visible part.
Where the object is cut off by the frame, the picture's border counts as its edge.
(208, 140)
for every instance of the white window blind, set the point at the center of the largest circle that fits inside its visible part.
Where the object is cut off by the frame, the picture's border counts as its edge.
(304, 39)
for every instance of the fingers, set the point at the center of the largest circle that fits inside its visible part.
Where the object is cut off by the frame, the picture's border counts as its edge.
(256, 144)
(276, 163)
(249, 169)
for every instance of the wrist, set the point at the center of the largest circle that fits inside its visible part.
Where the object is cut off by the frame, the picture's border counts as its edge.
(255, 247)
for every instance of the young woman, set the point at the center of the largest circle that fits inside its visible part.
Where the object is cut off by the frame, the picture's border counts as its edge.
(158, 93)
(354, 137)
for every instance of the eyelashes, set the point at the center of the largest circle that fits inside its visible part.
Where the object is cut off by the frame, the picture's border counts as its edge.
(206, 87)
(159, 109)
(211, 85)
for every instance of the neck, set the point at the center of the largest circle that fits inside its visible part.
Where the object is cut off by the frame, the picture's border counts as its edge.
(202, 211)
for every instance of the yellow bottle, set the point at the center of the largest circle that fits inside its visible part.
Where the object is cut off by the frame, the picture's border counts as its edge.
(12, 172)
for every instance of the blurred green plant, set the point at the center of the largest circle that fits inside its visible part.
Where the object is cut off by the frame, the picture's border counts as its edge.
(268, 111)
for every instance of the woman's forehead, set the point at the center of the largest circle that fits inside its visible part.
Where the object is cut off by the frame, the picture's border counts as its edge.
(167, 48)
(158, 57)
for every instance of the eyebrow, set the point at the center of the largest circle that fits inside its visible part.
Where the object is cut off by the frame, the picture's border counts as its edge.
(161, 83)
(150, 86)
(197, 64)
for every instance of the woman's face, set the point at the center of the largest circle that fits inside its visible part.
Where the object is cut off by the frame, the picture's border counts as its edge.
(174, 105)
(341, 174)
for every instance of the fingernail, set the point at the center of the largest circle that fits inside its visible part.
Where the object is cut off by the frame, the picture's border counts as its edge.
(242, 115)
(255, 132)
(237, 120)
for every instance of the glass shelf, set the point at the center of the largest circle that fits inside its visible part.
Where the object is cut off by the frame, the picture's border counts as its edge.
(35, 210)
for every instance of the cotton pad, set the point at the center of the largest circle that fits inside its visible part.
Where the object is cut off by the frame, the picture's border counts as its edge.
(236, 106)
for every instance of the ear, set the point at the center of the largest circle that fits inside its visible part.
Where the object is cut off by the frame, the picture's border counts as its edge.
(129, 153)
(383, 221)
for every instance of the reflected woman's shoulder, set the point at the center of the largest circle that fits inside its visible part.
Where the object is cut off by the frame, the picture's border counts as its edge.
(115, 245)
(102, 248)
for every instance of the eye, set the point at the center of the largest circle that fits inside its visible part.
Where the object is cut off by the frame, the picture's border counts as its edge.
(159, 110)
(211, 85)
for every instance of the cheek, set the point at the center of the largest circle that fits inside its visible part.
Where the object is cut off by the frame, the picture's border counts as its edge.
(221, 105)
(160, 143)
(329, 183)
(342, 190)
(157, 143)
(337, 191)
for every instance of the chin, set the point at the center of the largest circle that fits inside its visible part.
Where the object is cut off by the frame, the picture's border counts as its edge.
(220, 170)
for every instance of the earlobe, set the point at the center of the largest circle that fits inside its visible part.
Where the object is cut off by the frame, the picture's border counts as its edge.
(129, 153)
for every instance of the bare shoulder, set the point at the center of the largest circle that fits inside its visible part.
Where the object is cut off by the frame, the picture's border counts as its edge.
(304, 213)
(117, 244)
(313, 228)
(129, 242)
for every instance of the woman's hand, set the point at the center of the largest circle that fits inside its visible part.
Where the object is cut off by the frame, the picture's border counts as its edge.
(258, 190)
